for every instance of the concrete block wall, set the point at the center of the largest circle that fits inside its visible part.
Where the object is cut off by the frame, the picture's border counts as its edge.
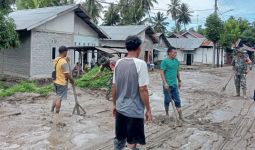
(16, 61)
(41, 51)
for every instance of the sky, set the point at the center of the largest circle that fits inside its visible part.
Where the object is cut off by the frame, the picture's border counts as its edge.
(202, 8)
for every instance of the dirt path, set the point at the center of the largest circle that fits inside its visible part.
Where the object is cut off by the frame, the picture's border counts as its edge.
(216, 120)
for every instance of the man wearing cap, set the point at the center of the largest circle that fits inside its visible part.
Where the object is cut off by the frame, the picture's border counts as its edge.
(240, 68)
(62, 76)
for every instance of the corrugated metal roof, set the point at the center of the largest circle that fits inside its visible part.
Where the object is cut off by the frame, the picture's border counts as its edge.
(122, 32)
(194, 34)
(176, 35)
(186, 43)
(31, 18)
(160, 49)
(248, 48)
(207, 43)
(25, 19)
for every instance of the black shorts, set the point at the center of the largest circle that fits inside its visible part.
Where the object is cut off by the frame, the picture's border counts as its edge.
(130, 129)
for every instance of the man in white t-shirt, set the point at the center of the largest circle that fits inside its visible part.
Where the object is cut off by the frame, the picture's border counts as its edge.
(130, 97)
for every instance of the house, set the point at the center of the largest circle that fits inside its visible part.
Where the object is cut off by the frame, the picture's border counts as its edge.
(192, 34)
(176, 35)
(239, 44)
(160, 49)
(119, 34)
(194, 49)
(42, 31)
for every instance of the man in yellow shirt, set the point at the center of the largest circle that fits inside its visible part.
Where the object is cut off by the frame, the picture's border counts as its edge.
(62, 76)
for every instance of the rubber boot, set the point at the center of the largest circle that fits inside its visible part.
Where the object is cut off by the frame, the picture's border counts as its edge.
(237, 91)
(167, 110)
(244, 94)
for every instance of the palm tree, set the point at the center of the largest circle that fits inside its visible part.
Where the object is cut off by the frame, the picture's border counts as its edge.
(159, 22)
(174, 9)
(146, 5)
(94, 8)
(184, 15)
(111, 17)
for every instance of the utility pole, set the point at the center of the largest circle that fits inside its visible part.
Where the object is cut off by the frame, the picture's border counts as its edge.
(197, 22)
(216, 7)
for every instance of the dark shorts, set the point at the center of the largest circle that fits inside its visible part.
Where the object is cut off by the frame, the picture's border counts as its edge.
(129, 129)
(61, 91)
(174, 94)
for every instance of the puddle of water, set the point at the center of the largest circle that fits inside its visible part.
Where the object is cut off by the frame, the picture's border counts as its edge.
(226, 112)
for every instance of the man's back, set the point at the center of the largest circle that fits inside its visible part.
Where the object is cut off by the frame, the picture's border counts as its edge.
(130, 73)
(61, 68)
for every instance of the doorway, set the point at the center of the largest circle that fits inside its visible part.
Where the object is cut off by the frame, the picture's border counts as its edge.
(189, 59)
(146, 56)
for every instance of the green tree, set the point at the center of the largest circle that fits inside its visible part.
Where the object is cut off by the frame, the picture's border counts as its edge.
(8, 36)
(243, 24)
(146, 5)
(31, 4)
(214, 28)
(134, 11)
(233, 29)
(184, 15)
(159, 22)
(174, 10)
(248, 36)
(94, 8)
(111, 16)
(200, 30)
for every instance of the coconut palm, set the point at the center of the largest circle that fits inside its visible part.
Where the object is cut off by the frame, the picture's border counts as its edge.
(147, 4)
(184, 16)
(174, 10)
(94, 8)
(159, 22)
(111, 16)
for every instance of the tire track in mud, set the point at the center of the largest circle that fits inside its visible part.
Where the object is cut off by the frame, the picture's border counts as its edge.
(157, 135)
(241, 128)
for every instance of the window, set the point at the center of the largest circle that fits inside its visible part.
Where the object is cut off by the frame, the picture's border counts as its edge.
(53, 52)
(74, 57)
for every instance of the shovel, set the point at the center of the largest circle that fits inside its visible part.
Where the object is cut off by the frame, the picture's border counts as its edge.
(224, 88)
(178, 123)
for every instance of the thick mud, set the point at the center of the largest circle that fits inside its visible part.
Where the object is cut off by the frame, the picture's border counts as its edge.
(216, 120)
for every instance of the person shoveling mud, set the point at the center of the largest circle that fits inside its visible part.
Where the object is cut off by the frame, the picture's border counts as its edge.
(106, 63)
(60, 76)
(130, 96)
(169, 74)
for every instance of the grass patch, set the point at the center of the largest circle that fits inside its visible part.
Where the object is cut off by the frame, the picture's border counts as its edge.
(24, 87)
(87, 81)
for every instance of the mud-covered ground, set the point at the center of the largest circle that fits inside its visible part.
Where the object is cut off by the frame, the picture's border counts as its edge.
(216, 120)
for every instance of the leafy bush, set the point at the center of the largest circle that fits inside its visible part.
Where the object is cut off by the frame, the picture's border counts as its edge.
(23, 87)
(87, 81)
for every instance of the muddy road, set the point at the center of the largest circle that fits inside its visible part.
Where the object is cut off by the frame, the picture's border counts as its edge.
(216, 120)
